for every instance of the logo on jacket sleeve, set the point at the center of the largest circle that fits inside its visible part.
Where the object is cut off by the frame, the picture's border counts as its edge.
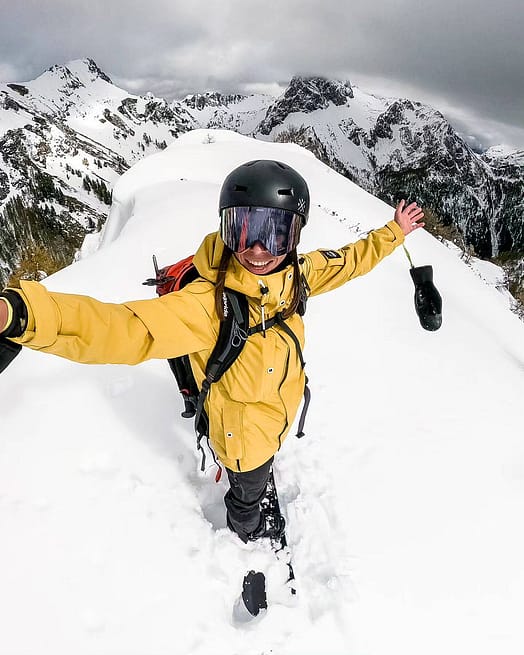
(331, 254)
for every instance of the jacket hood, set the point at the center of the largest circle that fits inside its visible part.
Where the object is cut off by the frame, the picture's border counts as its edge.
(238, 278)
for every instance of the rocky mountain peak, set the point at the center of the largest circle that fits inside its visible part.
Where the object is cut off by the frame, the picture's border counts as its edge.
(306, 94)
(317, 92)
(78, 72)
(64, 76)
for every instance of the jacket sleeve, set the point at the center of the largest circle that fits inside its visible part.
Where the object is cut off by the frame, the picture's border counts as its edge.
(326, 270)
(86, 330)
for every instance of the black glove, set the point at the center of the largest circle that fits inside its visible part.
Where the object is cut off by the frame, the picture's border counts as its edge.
(428, 302)
(8, 351)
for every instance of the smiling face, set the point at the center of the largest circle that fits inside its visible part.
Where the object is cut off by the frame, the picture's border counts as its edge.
(258, 260)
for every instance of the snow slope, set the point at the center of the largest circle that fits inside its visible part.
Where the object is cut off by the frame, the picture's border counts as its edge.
(404, 500)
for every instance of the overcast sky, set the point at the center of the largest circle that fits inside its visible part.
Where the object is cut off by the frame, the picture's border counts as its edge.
(465, 57)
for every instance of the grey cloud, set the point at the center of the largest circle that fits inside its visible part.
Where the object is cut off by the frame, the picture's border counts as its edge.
(470, 54)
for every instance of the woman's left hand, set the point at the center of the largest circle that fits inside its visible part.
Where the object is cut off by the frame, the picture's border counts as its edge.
(408, 217)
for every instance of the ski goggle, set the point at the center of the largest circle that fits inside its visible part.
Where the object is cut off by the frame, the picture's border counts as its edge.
(278, 230)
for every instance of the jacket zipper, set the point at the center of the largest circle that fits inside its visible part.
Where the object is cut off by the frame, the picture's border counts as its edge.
(264, 290)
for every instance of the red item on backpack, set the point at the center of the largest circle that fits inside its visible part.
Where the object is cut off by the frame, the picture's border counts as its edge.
(173, 277)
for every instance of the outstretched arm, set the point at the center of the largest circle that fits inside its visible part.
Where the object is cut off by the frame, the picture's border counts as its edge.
(328, 269)
(86, 330)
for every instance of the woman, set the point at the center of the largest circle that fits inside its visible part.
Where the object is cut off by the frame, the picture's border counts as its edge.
(263, 207)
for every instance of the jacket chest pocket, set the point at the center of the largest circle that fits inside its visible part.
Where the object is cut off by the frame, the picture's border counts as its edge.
(257, 373)
(232, 422)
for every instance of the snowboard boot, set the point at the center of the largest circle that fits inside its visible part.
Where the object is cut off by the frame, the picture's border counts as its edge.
(271, 526)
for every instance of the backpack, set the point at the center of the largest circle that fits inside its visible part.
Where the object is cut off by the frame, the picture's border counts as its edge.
(233, 334)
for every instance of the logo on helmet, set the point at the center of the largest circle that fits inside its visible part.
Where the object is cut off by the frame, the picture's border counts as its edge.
(301, 205)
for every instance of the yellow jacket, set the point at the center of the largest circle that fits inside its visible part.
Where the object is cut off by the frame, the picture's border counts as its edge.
(252, 407)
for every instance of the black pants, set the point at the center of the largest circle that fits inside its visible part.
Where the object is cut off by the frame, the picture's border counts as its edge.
(244, 497)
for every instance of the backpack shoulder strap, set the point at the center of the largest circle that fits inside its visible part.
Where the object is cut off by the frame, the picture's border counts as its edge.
(232, 337)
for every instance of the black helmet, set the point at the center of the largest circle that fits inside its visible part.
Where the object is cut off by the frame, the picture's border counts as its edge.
(266, 183)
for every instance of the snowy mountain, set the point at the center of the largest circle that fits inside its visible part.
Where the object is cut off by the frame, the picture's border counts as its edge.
(65, 138)
(403, 500)
(239, 113)
(70, 133)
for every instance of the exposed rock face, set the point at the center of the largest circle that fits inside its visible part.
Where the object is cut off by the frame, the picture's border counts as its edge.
(40, 210)
(19, 88)
(508, 199)
(4, 185)
(203, 100)
(434, 166)
(97, 72)
(305, 94)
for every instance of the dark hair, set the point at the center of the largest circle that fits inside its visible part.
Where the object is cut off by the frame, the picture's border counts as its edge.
(221, 283)
(296, 295)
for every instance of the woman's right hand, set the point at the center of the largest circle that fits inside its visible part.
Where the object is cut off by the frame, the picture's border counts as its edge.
(408, 217)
